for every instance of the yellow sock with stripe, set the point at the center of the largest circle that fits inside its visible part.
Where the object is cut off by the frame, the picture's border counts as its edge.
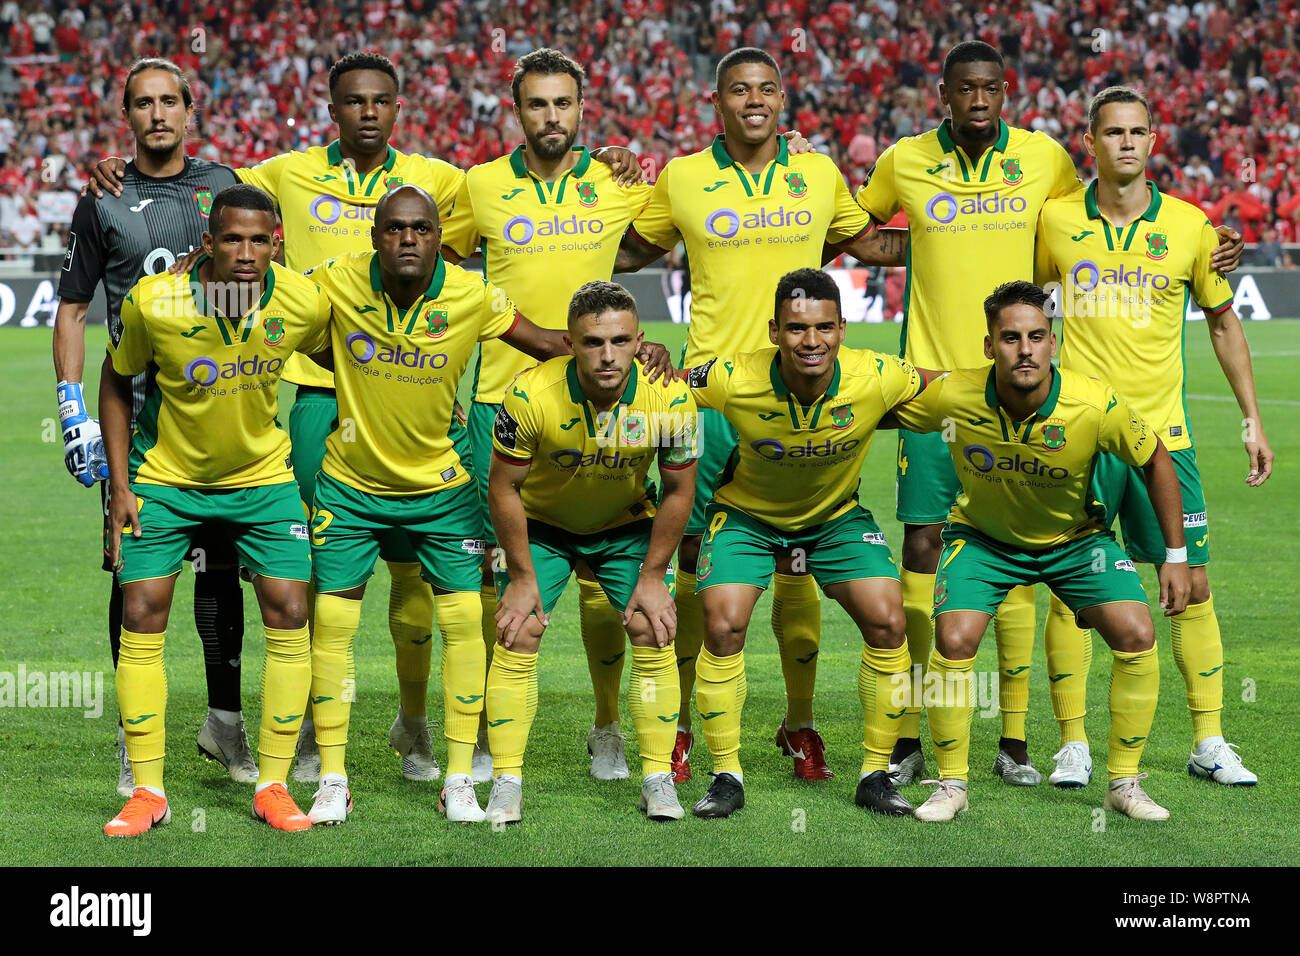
(1198, 652)
(1013, 626)
(918, 605)
(286, 684)
(883, 675)
(1134, 689)
(142, 700)
(1069, 659)
(606, 643)
(797, 624)
(950, 718)
(654, 698)
(720, 697)
(464, 671)
(511, 707)
(333, 677)
(689, 641)
(410, 621)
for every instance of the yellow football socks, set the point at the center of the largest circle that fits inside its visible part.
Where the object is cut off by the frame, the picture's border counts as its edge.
(1134, 688)
(1069, 659)
(333, 680)
(950, 719)
(1013, 626)
(512, 705)
(689, 641)
(720, 697)
(487, 596)
(918, 605)
(464, 670)
(880, 673)
(286, 683)
(606, 642)
(1198, 652)
(654, 698)
(797, 624)
(142, 701)
(410, 621)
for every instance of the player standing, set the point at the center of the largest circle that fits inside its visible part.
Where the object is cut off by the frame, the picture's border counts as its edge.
(160, 213)
(1128, 260)
(1023, 438)
(574, 441)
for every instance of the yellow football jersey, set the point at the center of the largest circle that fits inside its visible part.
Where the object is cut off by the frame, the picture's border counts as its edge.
(397, 370)
(971, 226)
(1124, 295)
(541, 242)
(795, 466)
(743, 233)
(328, 208)
(1026, 483)
(209, 417)
(589, 468)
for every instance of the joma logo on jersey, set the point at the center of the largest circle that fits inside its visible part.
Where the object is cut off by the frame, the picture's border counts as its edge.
(572, 458)
(774, 450)
(329, 210)
(206, 372)
(945, 207)
(521, 229)
(983, 460)
(727, 223)
(364, 349)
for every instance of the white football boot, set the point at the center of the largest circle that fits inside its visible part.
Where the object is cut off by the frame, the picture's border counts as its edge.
(410, 737)
(505, 804)
(659, 798)
(1016, 774)
(605, 744)
(227, 744)
(1073, 766)
(1217, 760)
(948, 800)
(333, 801)
(458, 801)
(1127, 797)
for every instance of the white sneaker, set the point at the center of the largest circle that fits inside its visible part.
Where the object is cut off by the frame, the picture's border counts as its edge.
(1218, 761)
(1126, 797)
(910, 769)
(410, 737)
(306, 765)
(659, 798)
(458, 801)
(227, 744)
(481, 764)
(505, 805)
(125, 776)
(1016, 774)
(948, 800)
(1073, 766)
(605, 744)
(333, 801)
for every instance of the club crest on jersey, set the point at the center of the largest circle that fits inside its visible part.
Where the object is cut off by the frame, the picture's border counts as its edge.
(795, 185)
(1011, 171)
(842, 417)
(1053, 437)
(203, 197)
(392, 182)
(437, 320)
(633, 427)
(273, 326)
(1157, 245)
(587, 193)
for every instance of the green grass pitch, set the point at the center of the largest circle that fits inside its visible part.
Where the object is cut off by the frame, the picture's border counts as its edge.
(57, 768)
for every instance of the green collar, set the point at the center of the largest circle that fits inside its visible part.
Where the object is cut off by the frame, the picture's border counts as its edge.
(206, 308)
(1094, 212)
(521, 170)
(724, 160)
(580, 398)
(435, 284)
(944, 133)
(334, 154)
(778, 383)
(1049, 406)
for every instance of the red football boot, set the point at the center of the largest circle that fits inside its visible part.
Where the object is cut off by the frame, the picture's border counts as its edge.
(808, 750)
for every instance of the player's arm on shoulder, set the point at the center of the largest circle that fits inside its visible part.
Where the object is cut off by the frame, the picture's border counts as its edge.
(624, 165)
(653, 233)
(855, 231)
(105, 177)
(1233, 352)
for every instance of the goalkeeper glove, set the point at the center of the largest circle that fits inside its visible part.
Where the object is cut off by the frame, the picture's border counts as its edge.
(83, 446)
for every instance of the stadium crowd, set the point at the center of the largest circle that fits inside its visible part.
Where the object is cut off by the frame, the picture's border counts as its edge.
(1221, 77)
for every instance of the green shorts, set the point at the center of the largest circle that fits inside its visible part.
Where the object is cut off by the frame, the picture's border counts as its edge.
(740, 549)
(314, 415)
(482, 416)
(265, 523)
(348, 525)
(927, 481)
(976, 572)
(1119, 486)
(615, 558)
(717, 441)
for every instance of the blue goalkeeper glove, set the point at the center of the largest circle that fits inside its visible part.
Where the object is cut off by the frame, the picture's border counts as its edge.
(83, 445)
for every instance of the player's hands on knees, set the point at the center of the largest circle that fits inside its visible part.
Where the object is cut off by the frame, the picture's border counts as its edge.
(652, 598)
(1260, 455)
(186, 262)
(521, 600)
(657, 361)
(1227, 256)
(796, 144)
(122, 514)
(1175, 587)
(106, 177)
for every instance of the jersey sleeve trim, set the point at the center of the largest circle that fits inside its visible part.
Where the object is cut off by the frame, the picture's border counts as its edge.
(643, 239)
(511, 461)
